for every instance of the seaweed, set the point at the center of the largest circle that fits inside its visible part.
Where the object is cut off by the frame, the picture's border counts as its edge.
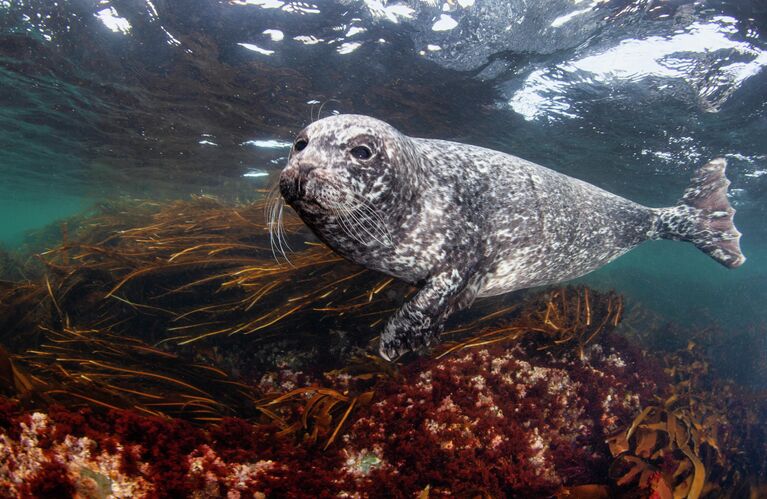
(142, 305)
(318, 406)
(689, 442)
(566, 318)
(193, 251)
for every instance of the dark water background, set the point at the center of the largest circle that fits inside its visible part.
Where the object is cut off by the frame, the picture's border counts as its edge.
(163, 99)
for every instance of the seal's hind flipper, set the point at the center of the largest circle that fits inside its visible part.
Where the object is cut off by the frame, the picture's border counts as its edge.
(703, 216)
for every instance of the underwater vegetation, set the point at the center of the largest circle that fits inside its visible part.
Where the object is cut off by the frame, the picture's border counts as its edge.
(160, 350)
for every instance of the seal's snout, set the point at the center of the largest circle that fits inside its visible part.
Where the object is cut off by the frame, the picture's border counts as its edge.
(294, 181)
(289, 185)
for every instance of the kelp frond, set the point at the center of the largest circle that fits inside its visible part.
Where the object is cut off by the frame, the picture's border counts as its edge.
(323, 411)
(566, 317)
(683, 444)
(136, 300)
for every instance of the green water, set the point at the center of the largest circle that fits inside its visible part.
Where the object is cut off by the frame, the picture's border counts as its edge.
(682, 284)
(31, 211)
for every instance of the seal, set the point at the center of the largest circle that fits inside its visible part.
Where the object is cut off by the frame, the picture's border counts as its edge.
(460, 221)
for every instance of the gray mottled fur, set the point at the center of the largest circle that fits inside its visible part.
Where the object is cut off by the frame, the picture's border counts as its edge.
(461, 221)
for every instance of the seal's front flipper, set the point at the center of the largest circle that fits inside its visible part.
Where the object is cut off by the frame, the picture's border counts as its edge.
(703, 216)
(419, 322)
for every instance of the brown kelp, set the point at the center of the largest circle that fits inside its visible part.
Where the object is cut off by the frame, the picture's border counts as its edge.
(210, 270)
(144, 306)
(567, 317)
(691, 441)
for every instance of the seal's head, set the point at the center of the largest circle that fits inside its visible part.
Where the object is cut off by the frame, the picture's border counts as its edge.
(349, 177)
(343, 160)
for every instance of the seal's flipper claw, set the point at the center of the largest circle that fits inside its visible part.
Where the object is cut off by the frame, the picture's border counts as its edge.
(386, 354)
(396, 342)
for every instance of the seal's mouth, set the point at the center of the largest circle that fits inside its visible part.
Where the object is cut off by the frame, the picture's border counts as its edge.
(306, 205)
(298, 193)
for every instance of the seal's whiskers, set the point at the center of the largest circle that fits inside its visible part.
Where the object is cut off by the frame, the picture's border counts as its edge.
(358, 223)
(372, 227)
(319, 112)
(377, 223)
(269, 211)
(361, 219)
(341, 213)
(273, 213)
(348, 227)
(375, 218)
(282, 239)
(343, 223)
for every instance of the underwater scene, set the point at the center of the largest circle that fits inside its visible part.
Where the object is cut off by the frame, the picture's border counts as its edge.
(383, 249)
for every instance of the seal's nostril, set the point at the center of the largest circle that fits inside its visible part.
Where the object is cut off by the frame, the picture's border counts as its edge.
(288, 188)
(304, 169)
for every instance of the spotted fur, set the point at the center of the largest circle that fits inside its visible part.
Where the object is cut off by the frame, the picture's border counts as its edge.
(463, 221)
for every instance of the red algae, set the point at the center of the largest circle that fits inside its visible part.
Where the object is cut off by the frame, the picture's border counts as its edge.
(51, 481)
(144, 456)
(163, 443)
(499, 420)
(495, 420)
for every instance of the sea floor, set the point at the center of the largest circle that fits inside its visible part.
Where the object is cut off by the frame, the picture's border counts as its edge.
(165, 350)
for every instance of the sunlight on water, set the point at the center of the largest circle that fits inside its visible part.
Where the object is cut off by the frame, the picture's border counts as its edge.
(681, 56)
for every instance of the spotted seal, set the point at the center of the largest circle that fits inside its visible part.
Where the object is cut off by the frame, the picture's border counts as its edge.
(460, 221)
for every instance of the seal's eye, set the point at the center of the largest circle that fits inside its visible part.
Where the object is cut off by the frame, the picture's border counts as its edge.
(362, 152)
(300, 145)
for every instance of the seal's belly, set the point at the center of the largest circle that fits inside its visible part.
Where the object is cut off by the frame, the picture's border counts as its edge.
(528, 267)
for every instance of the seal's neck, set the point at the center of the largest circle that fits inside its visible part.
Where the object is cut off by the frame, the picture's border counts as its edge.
(404, 201)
